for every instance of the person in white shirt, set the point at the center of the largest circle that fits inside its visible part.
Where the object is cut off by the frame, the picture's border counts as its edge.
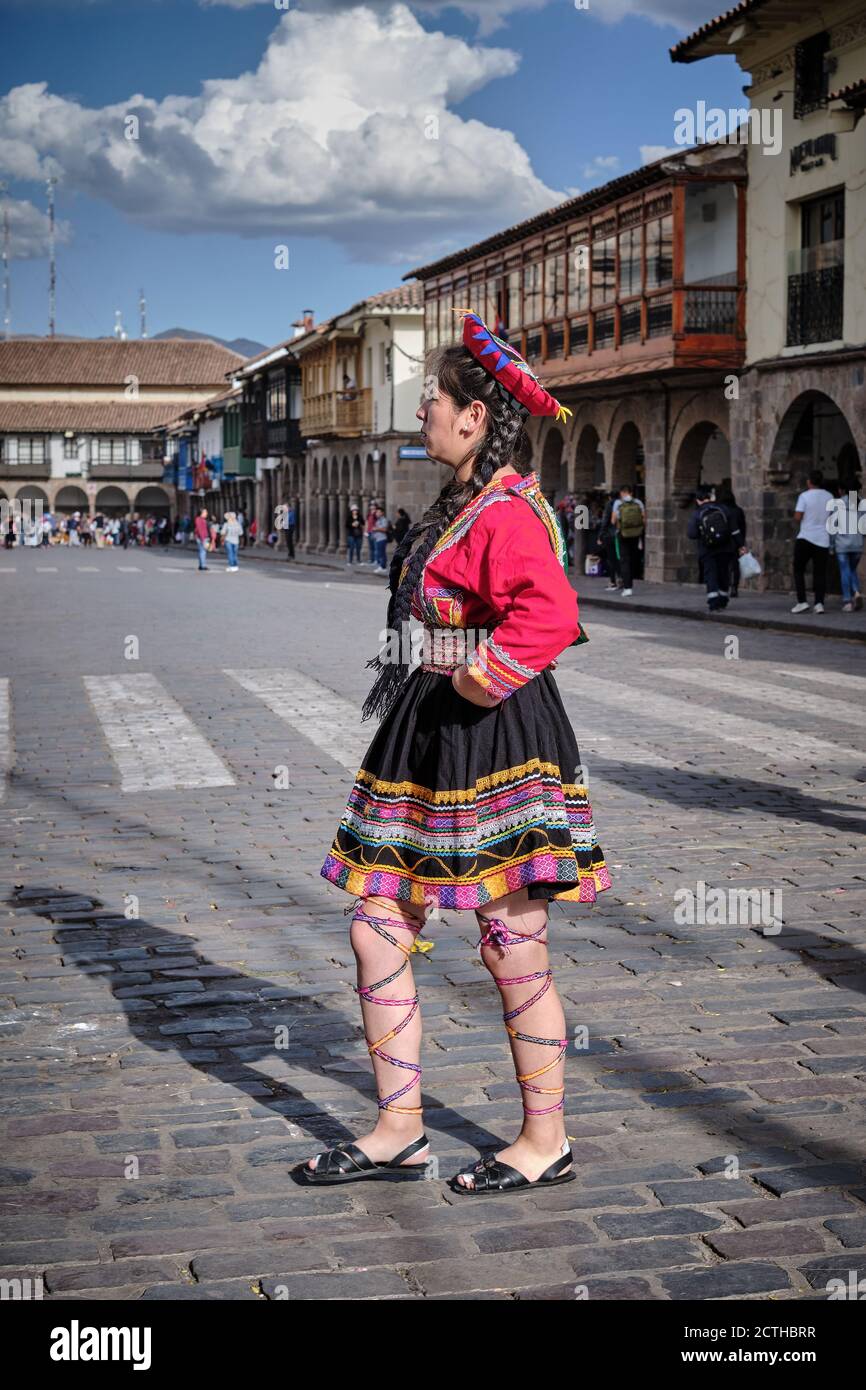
(812, 511)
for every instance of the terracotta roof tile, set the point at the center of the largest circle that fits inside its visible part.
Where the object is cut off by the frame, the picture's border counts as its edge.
(176, 362)
(681, 52)
(103, 417)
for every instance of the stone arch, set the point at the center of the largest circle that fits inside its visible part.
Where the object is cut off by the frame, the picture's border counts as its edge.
(703, 456)
(154, 500)
(111, 501)
(70, 499)
(553, 474)
(589, 466)
(369, 479)
(812, 433)
(628, 458)
(30, 492)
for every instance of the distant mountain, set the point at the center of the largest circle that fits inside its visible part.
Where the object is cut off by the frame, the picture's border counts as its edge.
(247, 347)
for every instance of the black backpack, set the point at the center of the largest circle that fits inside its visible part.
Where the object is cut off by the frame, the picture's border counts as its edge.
(714, 527)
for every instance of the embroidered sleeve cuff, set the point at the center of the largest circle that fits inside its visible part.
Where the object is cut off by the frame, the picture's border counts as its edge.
(499, 674)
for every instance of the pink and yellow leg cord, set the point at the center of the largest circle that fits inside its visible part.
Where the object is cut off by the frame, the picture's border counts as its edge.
(368, 992)
(499, 934)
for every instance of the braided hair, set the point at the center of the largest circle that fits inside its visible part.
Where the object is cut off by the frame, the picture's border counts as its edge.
(462, 379)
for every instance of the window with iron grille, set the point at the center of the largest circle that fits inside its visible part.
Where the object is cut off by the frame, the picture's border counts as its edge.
(659, 318)
(604, 270)
(112, 451)
(578, 336)
(604, 330)
(555, 339)
(811, 78)
(277, 399)
(532, 293)
(630, 255)
(629, 323)
(70, 448)
(659, 252)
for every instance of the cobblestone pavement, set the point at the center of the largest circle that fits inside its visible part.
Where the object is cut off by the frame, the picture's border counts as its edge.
(163, 914)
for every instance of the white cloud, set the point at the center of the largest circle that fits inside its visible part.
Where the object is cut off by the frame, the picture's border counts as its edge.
(682, 14)
(603, 166)
(650, 153)
(328, 137)
(28, 229)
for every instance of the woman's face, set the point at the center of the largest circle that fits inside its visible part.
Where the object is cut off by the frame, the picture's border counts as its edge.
(450, 435)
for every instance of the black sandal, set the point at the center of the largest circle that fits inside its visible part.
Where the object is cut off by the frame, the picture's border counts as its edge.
(348, 1163)
(491, 1175)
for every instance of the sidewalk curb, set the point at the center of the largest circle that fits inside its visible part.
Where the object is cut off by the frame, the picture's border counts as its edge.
(728, 616)
(589, 600)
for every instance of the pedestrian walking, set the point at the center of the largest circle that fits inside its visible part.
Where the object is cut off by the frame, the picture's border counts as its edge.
(354, 536)
(231, 532)
(846, 541)
(401, 524)
(368, 531)
(72, 525)
(470, 795)
(383, 532)
(629, 520)
(202, 538)
(714, 526)
(724, 493)
(812, 545)
(607, 543)
(291, 522)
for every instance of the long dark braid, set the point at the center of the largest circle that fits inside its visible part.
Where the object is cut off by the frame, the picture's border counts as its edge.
(461, 378)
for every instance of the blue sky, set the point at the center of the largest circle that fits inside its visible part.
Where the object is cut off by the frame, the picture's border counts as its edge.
(542, 102)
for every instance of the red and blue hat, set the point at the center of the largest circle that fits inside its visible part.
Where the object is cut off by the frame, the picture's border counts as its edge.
(514, 377)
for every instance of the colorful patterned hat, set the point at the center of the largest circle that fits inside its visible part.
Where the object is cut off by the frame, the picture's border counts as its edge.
(517, 383)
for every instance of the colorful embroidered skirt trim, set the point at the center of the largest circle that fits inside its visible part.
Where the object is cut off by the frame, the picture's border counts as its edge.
(460, 805)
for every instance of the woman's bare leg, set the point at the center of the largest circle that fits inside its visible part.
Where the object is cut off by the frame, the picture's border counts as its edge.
(541, 1136)
(376, 958)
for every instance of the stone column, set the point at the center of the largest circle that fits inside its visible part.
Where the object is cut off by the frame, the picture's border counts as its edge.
(321, 540)
(332, 523)
(342, 512)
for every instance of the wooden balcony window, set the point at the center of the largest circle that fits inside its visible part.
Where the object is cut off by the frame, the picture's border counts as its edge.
(578, 336)
(328, 414)
(605, 328)
(533, 344)
(629, 322)
(555, 336)
(659, 316)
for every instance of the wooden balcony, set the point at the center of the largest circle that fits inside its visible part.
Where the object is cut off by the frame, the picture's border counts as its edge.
(148, 470)
(329, 414)
(24, 472)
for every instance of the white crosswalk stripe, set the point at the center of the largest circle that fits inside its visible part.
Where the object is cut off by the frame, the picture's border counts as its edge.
(5, 737)
(837, 678)
(711, 725)
(153, 742)
(325, 719)
(745, 686)
(128, 569)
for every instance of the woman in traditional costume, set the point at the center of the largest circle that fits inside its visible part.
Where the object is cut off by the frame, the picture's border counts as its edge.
(471, 795)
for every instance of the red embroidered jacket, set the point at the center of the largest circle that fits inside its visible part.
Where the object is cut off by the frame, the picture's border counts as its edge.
(500, 566)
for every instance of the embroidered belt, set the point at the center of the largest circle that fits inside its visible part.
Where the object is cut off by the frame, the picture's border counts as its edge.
(446, 648)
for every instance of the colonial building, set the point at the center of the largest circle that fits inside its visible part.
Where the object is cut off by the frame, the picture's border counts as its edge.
(361, 382)
(77, 417)
(271, 461)
(802, 395)
(629, 303)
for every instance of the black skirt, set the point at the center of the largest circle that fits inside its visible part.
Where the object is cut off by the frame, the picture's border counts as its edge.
(458, 804)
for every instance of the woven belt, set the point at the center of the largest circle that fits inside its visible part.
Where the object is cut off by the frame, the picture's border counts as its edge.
(446, 648)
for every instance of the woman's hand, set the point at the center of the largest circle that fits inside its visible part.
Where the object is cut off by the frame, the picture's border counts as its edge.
(469, 688)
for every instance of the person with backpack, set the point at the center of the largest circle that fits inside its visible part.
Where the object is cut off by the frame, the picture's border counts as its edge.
(629, 520)
(715, 527)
